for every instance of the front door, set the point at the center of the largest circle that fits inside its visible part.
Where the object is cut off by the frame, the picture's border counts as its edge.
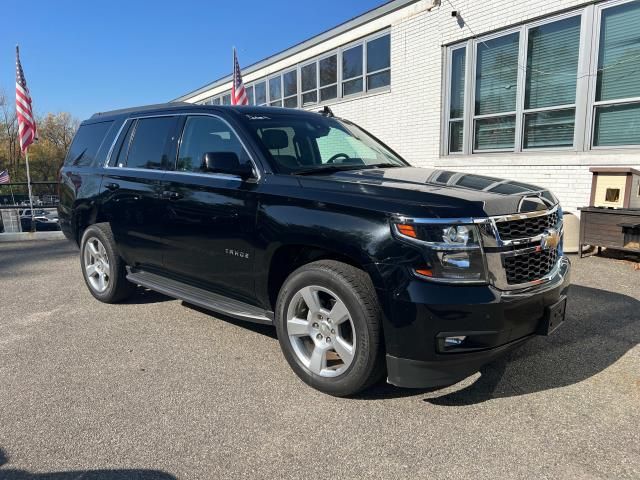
(132, 187)
(210, 217)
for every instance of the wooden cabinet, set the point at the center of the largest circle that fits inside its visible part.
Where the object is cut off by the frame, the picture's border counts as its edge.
(612, 228)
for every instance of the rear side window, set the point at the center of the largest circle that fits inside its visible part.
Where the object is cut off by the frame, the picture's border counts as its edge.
(86, 144)
(150, 144)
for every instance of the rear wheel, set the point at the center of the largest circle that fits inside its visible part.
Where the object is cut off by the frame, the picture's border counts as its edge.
(102, 268)
(328, 321)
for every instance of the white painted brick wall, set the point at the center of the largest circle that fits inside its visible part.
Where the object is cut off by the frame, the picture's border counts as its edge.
(408, 117)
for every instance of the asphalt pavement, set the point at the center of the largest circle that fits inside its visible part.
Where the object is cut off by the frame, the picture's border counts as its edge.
(156, 389)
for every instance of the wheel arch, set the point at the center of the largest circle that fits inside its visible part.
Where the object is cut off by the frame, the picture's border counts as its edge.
(289, 257)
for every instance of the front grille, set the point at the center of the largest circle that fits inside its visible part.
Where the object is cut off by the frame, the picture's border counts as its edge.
(529, 266)
(527, 227)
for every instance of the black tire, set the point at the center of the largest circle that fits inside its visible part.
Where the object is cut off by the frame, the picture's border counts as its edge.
(354, 288)
(118, 287)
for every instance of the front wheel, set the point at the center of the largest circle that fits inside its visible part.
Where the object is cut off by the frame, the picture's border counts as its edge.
(329, 326)
(102, 268)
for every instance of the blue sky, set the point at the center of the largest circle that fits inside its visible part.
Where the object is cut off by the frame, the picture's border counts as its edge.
(86, 56)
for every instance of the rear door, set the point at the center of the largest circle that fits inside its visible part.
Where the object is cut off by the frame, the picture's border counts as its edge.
(132, 187)
(210, 217)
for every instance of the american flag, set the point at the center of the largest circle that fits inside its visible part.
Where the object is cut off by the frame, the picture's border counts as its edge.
(238, 93)
(4, 176)
(26, 123)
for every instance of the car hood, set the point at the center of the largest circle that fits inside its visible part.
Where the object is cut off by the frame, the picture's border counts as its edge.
(443, 193)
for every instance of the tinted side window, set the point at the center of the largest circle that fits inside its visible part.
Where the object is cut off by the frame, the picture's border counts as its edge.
(86, 143)
(204, 134)
(149, 146)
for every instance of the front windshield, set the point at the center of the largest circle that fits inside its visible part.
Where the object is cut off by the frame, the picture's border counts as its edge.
(304, 143)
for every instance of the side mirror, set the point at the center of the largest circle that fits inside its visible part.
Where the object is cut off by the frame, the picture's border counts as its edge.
(225, 162)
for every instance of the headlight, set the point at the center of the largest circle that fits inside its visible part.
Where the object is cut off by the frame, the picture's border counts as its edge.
(452, 252)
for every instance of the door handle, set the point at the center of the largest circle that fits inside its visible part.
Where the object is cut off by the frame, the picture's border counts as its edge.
(171, 195)
(112, 186)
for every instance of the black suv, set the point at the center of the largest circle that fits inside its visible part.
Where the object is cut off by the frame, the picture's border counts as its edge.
(364, 264)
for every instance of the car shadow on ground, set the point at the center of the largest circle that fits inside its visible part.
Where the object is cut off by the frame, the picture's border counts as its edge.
(601, 326)
(120, 474)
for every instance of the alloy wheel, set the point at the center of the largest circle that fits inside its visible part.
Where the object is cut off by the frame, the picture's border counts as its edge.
(321, 331)
(96, 265)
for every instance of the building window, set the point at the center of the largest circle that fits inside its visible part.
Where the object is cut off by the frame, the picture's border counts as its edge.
(260, 90)
(309, 84)
(226, 99)
(456, 99)
(617, 98)
(290, 88)
(360, 67)
(496, 88)
(250, 98)
(275, 91)
(549, 105)
(352, 69)
(328, 78)
(379, 62)
(525, 89)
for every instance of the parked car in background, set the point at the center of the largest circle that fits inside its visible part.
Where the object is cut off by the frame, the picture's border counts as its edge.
(44, 220)
(366, 266)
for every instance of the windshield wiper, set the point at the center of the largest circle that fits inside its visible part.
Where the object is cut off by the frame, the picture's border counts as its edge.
(342, 168)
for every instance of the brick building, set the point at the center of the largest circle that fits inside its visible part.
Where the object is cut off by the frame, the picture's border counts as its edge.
(536, 90)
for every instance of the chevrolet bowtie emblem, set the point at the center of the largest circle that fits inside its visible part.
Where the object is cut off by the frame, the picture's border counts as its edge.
(550, 239)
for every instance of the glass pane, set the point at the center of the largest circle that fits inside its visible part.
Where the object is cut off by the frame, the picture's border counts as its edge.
(328, 70)
(497, 75)
(378, 54)
(291, 102)
(85, 144)
(495, 133)
(351, 87)
(277, 103)
(308, 77)
(552, 63)
(290, 80)
(617, 125)
(549, 129)
(275, 89)
(309, 98)
(149, 144)
(250, 95)
(352, 62)
(206, 134)
(261, 93)
(226, 99)
(619, 56)
(378, 80)
(328, 93)
(458, 60)
(216, 101)
(455, 136)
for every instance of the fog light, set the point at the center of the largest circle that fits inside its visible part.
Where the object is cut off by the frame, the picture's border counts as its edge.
(454, 341)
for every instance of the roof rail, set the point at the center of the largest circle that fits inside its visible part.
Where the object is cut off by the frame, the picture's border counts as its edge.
(326, 112)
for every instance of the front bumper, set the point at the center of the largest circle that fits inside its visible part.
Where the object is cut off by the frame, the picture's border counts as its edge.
(420, 314)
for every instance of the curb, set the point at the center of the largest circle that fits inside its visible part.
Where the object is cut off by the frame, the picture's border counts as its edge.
(26, 236)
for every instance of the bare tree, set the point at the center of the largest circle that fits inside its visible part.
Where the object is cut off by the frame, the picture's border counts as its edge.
(9, 140)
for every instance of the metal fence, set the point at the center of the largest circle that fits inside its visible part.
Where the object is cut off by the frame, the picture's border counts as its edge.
(16, 195)
(15, 208)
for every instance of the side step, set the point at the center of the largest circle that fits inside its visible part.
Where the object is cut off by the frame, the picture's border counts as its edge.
(199, 297)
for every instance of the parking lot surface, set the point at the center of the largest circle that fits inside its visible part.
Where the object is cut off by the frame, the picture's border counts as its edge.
(156, 389)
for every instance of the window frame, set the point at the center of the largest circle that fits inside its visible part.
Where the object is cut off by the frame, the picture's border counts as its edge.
(584, 105)
(593, 77)
(338, 53)
(367, 74)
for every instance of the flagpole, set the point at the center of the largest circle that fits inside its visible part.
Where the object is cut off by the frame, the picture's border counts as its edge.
(26, 156)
